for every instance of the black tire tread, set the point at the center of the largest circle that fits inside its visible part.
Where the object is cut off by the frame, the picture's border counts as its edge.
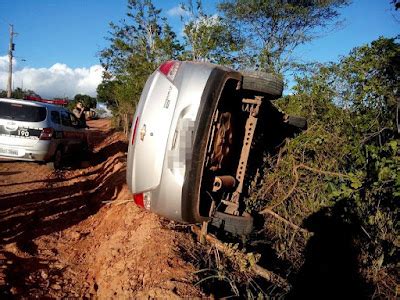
(266, 83)
(239, 225)
(298, 122)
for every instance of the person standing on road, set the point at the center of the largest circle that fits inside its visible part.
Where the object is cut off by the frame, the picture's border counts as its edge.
(79, 112)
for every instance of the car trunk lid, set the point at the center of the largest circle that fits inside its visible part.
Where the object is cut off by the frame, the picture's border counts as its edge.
(152, 125)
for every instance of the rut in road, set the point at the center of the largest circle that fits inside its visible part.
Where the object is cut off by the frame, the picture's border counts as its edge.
(76, 232)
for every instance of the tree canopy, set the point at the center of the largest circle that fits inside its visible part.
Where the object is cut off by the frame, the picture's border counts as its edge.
(86, 100)
(138, 44)
(207, 37)
(18, 93)
(272, 29)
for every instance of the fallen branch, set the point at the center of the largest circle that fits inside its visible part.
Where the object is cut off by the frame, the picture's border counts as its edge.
(257, 269)
(266, 190)
(294, 226)
(327, 173)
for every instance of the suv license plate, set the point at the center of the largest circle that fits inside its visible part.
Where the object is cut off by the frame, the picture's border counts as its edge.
(9, 152)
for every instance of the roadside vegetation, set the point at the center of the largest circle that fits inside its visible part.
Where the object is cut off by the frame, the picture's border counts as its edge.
(340, 179)
(329, 196)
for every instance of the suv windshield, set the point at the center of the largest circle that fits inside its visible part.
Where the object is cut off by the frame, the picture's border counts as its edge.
(21, 112)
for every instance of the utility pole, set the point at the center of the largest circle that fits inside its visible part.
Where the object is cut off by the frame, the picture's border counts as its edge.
(10, 57)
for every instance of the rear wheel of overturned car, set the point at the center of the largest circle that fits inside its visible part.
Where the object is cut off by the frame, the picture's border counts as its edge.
(265, 83)
(239, 225)
(57, 162)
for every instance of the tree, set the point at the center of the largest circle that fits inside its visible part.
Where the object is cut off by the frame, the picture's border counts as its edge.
(208, 37)
(371, 73)
(86, 100)
(137, 46)
(18, 93)
(272, 29)
(106, 92)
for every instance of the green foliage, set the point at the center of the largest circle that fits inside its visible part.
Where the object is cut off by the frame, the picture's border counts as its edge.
(18, 93)
(208, 37)
(137, 46)
(106, 92)
(349, 156)
(86, 100)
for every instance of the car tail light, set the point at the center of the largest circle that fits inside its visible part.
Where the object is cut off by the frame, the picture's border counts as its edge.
(135, 129)
(169, 69)
(143, 199)
(46, 134)
(138, 198)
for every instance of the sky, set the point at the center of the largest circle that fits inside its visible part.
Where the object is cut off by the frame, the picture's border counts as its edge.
(58, 41)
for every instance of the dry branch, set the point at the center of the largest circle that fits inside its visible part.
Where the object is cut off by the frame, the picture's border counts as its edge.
(258, 270)
(296, 181)
(294, 226)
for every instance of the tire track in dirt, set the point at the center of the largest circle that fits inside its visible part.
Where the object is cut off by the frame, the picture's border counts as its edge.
(59, 239)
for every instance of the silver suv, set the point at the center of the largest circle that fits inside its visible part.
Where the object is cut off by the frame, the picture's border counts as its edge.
(191, 138)
(41, 132)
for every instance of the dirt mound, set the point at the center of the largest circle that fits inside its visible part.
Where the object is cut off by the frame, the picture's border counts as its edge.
(76, 233)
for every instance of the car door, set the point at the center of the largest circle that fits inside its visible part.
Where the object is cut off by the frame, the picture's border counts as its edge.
(68, 132)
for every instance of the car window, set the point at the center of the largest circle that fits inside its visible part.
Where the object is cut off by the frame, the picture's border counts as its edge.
(22, 112)
(65, 119)
(55, 117)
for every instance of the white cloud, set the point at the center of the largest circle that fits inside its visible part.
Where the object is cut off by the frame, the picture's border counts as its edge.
(3, 63)
(177, 11)
(57, 81)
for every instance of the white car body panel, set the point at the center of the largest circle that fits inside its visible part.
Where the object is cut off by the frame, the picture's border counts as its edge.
(159, 166)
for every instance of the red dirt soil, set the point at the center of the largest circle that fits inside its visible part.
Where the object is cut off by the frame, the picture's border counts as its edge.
(76, 232)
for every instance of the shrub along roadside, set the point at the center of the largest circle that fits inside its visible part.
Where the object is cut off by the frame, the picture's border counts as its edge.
(340, 179)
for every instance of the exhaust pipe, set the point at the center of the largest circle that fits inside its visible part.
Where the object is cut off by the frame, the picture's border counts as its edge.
(226, 182)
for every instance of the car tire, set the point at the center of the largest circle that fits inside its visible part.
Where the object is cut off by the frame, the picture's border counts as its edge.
(262, 82)
(239, 225)
(57, 162)
(298, 122)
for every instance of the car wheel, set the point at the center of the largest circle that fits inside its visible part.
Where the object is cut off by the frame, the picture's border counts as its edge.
(239, 225)
(57, 162)
(298, 122)
(262, 82)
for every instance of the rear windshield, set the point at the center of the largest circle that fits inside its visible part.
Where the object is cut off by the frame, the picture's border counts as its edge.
(22, 112)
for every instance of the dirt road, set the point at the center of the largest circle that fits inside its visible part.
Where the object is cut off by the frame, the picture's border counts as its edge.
(75, 233)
